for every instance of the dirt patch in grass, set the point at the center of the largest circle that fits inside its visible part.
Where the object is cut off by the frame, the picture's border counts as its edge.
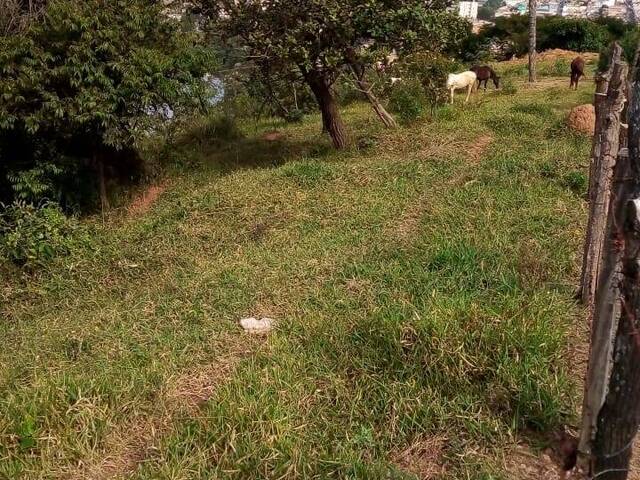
(273, 136)
(442, 147)
(520, 463)
(130, 444)
(145, 201)
(423, 458)
(477, 149)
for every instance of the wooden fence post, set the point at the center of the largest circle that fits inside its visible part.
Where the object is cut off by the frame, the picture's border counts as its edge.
(603, 156)
(611, 409)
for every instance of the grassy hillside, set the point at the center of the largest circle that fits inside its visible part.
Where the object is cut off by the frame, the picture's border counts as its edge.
(422, 287)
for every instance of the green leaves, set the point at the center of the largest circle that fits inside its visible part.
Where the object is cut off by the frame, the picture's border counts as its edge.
(31, 237)
(84, 76)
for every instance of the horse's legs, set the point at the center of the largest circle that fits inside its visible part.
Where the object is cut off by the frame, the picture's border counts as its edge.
(469, 88)
(452, 90)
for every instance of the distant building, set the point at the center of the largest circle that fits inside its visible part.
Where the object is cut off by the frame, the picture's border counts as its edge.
(627, 10)
(468, 10)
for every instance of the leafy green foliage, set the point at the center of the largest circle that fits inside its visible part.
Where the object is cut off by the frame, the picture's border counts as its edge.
(572, 34)
(430, 70)
(408, 100)
(32, 236)
(214, 127)
(322, 39)
(80, 82)
(488, 10)
(577, 34)
(35, 183)
(629, 42)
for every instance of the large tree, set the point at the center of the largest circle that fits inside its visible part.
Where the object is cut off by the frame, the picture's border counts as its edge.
(78, 80)
(324, 38)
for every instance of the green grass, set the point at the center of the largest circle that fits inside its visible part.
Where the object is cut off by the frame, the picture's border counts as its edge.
(420, 293)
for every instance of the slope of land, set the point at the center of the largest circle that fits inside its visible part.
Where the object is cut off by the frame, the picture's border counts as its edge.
(423, 289)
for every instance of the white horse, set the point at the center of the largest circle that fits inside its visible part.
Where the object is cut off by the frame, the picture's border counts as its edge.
(461, 80)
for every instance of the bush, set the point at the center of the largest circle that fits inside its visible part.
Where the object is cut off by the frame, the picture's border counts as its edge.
(579, 34)
(629, 43)
(32, 236)
(95, 71)
(428, 70)
(576, 34)
(408, 100)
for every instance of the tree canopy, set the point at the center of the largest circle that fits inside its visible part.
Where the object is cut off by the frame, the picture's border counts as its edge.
(322, 37)
(78, 82)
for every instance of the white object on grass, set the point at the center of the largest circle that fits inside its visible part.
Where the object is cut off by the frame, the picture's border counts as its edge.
(253, 325)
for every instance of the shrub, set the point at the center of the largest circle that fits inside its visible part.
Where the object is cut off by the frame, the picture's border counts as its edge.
(95, 70)
(629, 43)
(578, 34)
(408, 100)
(581, 35)
(428, 70)
(32, 236)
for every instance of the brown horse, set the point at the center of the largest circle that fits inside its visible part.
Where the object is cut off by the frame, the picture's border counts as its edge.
(577, 71)
(484, 73)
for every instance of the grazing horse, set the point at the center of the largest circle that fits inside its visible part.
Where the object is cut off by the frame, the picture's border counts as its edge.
(484, 73)
(577, 71)
(466, 80)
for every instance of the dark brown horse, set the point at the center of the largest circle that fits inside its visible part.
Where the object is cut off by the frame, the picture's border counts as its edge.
(484, 73)
(577, 71)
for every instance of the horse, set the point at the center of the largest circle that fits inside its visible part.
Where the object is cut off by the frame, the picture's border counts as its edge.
(461, 80)
(484, 73)
(577, 71)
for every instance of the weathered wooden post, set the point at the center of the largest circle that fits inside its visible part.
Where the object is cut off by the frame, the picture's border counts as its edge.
(533, 11)
(611, 409)
(608, 105)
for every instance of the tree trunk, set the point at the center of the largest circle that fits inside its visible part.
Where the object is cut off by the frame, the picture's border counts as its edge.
(609, 101)
(386, 118)
(331, 121)
(611, 410)
(533, 7)
(102, 183)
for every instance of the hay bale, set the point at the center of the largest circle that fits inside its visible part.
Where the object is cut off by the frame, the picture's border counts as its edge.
(583, 119)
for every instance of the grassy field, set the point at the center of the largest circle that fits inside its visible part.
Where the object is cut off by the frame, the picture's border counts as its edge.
(423, 288)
